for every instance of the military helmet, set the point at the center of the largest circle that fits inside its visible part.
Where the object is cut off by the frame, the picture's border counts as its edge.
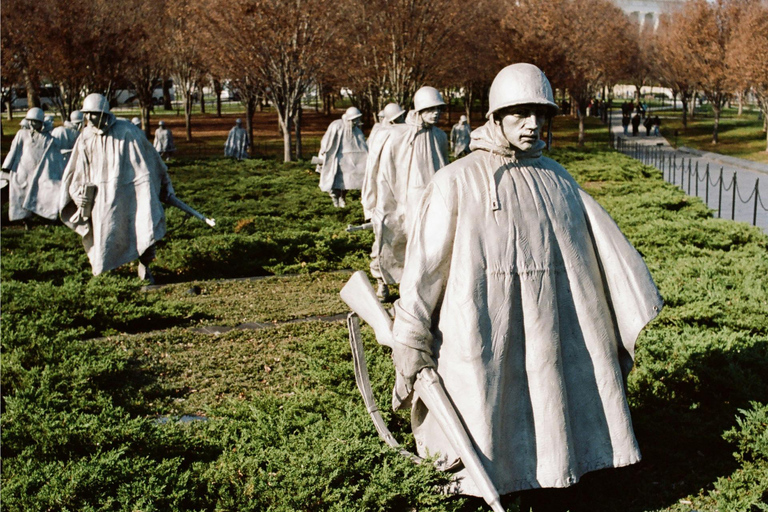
(351, 114)
(95, 102)
(35, 114)
(427, 97)
(520, 84)
(76, 116)
(392, 111)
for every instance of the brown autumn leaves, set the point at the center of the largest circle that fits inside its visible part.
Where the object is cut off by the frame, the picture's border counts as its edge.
(376, 50)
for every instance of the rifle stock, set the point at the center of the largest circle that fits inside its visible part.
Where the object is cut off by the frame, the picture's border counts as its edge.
(359, 295)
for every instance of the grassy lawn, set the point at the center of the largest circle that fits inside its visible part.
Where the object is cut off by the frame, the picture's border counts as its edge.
(741, 137)
(98, 373)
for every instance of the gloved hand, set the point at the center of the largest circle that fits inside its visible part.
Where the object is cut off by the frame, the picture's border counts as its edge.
(408, 362)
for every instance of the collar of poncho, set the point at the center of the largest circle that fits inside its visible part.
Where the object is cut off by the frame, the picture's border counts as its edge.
(490, 138)
(106, 128)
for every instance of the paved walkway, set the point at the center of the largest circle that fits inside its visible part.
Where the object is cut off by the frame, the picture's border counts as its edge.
(655, 149)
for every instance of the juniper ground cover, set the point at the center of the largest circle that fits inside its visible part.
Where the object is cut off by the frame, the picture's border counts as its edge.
(112, 399)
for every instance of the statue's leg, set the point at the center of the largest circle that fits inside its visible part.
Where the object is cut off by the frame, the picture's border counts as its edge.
(334, 193)
(342, 198)
(144, 260)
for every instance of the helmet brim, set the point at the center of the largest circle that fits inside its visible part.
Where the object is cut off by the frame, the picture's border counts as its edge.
(553, 108)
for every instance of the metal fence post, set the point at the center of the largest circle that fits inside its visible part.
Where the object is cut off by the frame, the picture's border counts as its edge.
(697, 178)
(689, 176)
(706, 185)
(733, 204)
(757, 195)
(720, 195)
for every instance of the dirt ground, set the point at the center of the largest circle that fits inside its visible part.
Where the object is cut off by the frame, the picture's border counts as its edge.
(209, 132)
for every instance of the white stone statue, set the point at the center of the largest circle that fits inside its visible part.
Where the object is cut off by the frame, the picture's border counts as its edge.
(68, 133)
(135, 121)
(460, 137)
(392, 114)
(343, 152)
(380, 118)
(113, 190)
(411, 155)
(35, 166)
(237, 142)
(164, 141)
(522, 293)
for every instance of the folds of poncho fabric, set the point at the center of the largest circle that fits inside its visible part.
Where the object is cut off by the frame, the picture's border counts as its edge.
(237, 144)
(66, 135)
(131, 180)
(345, 152)
(411, 155)
(36, 166)
(164, 140)
(530, 299)
(460, 138)
(376, 142)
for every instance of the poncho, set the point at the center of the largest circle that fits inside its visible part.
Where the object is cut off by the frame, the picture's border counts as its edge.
(411, 155)
(344, 151)
(460, 138)
(530, 299)
(375, 143)
(66, 135)
(131, 179)
(237, 143)
(36, 167)
(164, 140)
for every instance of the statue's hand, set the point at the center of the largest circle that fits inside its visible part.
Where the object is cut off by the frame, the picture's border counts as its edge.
(408, 362)
(80, 200)
(210, 222)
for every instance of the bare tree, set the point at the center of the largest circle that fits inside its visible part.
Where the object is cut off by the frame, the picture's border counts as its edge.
(184, 56)
(748, 51)
(671, 64)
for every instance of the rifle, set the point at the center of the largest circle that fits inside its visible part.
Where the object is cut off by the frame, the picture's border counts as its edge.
(368, 226)
(181, 205)
(359, 295)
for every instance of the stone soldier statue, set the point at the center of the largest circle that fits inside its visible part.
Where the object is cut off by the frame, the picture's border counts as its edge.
(237, 142)
(113, 191)
(35, 166)
(164, 141)
(68, 133)
(411, 155)
(522, 293)
(135, 121)
(460, 137)
(343, 152)
(393, 114)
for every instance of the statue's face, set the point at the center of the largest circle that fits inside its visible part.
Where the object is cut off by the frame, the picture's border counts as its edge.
(36, 125)
(522, 125)
(97, 119)
(431, 115)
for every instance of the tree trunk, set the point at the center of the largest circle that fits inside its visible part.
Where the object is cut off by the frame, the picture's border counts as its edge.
(716, 111)
(145, 110)
(684, 101)
(581, 124)
(33, 95)
(740, 98)
(9, 109)
(217, 89)
(188, 113)
(202, 99)
(692, 105)
(297, 125)
(167, 104)
(285, 125)
(250, 108)
(468, 105)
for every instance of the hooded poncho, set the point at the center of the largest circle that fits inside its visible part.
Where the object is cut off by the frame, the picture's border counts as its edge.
(460, 138)
(237, 143)
(164, 140)
(131, 180)
(410, 156)
(376, 142)
(66, 135)
(530, 299)
(36, 167)
(344, 151)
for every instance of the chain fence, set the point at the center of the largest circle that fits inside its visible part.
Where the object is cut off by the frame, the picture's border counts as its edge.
(702, 181)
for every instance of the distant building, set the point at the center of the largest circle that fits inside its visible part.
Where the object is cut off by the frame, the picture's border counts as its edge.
(648, 12)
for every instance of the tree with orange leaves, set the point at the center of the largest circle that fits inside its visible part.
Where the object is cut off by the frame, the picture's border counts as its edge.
(748, 51)
(581, 45)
